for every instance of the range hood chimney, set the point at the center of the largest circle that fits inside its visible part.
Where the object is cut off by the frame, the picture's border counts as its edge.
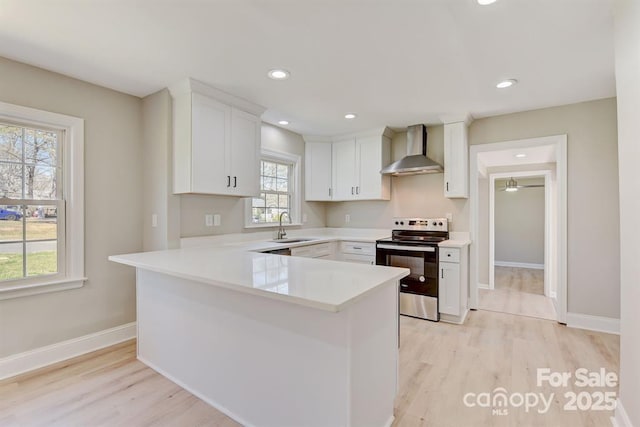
(416, 160)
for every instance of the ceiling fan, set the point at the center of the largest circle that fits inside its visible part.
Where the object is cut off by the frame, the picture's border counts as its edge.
(512, 185)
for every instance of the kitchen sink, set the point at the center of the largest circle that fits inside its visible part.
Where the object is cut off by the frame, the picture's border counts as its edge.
(291, 240)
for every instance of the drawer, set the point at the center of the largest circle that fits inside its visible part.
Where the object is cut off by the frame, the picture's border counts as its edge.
(321, 250)
(358, 248)
(313, 251)
(449, 255)
(303, 251)
(359, 258)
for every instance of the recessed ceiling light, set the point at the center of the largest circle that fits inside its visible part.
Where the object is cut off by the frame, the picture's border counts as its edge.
(485, 2)
(350, 116)
(521, 155)
(278, 74)
(283, 122)
(506, 83)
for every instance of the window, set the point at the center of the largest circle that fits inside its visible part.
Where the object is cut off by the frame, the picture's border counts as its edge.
(279, 177)
(41, 202)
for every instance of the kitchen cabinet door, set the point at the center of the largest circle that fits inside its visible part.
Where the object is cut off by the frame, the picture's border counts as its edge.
(372, 154)
(449, 288)
(210, 137)
(344, 175)
(317, 171)
(245, 154)
(456, 160)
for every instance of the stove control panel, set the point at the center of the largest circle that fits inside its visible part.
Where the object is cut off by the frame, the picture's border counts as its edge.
(424, 224)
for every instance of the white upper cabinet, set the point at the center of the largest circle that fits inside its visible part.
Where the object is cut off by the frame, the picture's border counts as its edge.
(317, 171)
(344, 169)
(216, 141)
(372, 154)
(348, 167)
(456, 160)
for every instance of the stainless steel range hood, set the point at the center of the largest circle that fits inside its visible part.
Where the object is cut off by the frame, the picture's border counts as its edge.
(416, 160)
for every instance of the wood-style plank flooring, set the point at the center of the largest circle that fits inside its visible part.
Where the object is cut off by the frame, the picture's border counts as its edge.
(518, 291)
(439, 364)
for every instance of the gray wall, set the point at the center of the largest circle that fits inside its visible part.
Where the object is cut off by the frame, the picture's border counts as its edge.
(627, 37)
(413, 195)
(519, 223)
(157, 175)
(113, 210)
(231, 209)
(593, 214)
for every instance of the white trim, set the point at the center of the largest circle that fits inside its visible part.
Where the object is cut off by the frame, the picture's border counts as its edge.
(41, 288)
(296, 199)
(40, 357)
(196, 393)
(483, 286)
(518, 265)
(560, 273)
(620, 417)
(593, 323)
(73, 188)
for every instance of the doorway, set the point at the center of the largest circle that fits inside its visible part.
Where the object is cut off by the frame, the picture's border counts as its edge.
(520, 207)
(547, 157)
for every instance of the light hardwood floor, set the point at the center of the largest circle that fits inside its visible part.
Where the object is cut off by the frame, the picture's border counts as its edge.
(518, 291)
(439, 364)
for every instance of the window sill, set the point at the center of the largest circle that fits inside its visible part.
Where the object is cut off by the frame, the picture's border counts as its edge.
(41, 288)
(295, 224)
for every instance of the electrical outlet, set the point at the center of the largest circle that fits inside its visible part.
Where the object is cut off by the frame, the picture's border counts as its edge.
(154, 220)
(216, 220)
(347, 218)
(449, 216)
(208, 220)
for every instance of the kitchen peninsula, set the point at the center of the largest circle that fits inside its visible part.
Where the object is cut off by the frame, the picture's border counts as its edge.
(271, 340)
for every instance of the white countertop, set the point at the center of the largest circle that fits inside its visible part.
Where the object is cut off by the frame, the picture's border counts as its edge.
(322, 284)
(235, 261)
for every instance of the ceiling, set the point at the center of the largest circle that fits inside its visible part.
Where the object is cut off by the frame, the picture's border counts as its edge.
(393, 62)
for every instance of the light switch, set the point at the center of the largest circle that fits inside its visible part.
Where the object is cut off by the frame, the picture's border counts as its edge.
(208, 220)
(154, 220)
(216, 220)
(347, 218)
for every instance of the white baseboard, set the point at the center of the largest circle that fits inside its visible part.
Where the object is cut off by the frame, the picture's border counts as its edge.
(620, 418)
(483, 286)
(593, 323)
(518, 265)
(40, 357)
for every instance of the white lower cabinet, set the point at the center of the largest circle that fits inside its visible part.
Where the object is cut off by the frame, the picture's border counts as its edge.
(358, 252)
(319, 250)
(449, 288)
(453, 283)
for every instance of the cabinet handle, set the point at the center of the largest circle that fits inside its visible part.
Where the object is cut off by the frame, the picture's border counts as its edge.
(351, 190)
(442, 273)
(357, 190)
(235, 181)
(357, 248)
(228, 181)
(447, 186)
(329, 191)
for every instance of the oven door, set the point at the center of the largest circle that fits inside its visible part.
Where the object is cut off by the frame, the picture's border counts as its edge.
(419, 290)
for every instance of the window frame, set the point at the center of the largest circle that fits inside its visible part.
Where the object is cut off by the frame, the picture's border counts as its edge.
(71, 260)
(295, 181)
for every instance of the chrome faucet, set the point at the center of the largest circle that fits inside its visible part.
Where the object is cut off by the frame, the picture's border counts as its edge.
(281, 233)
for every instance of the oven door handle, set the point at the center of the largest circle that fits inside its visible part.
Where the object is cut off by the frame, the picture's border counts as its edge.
(407, 248)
